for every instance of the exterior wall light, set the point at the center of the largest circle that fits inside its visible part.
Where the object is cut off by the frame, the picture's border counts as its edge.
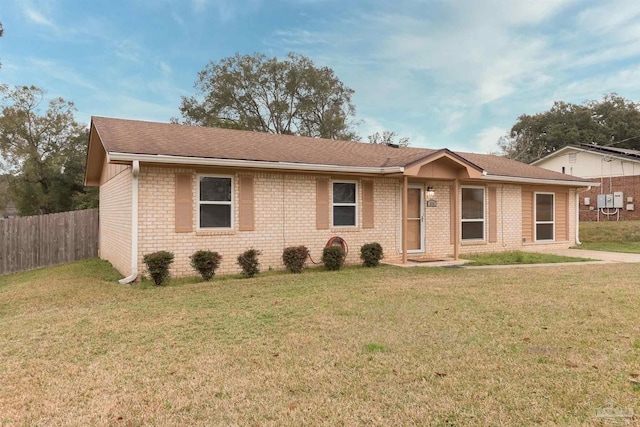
(430, 192)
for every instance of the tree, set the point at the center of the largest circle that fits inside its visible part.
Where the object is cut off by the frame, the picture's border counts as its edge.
(612, 121)
(44, 153)
(388, 138)
(290, 96)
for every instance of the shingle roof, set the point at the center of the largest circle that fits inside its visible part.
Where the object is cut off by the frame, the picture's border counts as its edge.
(496, 165)
(141, 137)
(619, 152)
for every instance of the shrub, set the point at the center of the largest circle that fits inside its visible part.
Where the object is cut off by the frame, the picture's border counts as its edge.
(371, 254)
(206, 263)
(158, 265)
(333, 257)
(248, 261)
(294, 258)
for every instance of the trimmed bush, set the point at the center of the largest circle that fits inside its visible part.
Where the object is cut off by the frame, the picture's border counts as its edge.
(371, 254)
(333, 257)
(248, 261)
(158, 265)
(206, 263)
(294, 258)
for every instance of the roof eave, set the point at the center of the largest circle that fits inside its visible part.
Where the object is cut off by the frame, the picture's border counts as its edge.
(257, 164)
(525, 180)
(555, 153)
(585, 149)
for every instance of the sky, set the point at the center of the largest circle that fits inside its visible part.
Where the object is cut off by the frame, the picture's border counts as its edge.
(454, 74)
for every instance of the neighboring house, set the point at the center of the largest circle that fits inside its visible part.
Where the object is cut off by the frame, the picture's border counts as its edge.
(183, 188)
(616, 169)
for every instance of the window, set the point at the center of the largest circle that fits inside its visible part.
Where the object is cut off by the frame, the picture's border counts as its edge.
(472, 213)
(215, 201)
(345, 209)
(544, 216)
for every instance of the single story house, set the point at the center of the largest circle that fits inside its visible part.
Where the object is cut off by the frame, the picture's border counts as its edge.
(617, 170)
(183, 188)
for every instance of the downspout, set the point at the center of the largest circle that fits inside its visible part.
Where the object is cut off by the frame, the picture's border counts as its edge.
(135, 171)
(578, 242)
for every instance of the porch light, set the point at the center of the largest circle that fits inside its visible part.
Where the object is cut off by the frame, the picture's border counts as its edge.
(430, 192)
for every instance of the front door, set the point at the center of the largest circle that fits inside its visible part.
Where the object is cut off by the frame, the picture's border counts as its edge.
(415, 226)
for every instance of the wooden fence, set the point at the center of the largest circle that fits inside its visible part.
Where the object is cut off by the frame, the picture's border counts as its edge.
(40, 241)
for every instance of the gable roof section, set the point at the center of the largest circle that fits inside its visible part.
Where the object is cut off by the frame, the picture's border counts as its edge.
(124, 140)
(620, 153)
(139, 137)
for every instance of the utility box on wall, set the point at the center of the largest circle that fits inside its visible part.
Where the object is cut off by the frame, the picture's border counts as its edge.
(605, 201)
(618, 200)
(615, 200)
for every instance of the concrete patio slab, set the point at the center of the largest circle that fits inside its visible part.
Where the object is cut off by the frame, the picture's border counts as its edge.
(597, 257)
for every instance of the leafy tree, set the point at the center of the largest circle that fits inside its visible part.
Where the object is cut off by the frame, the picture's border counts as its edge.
(44, 153)
(388, 138)
(290, 96)
(613, 120)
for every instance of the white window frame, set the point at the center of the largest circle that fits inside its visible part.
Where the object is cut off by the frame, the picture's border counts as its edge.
(535, 217)
(230, 203)
(357, 189)
(484, 213)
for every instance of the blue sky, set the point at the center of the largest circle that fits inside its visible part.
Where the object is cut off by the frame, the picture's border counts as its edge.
(453, 74)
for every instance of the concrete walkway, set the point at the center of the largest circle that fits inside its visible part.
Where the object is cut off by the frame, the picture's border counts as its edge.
(597, 257)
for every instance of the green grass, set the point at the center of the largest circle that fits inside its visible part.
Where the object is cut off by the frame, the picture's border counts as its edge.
(517, 257)
(374, 347)
(379, 347)
(622, 236)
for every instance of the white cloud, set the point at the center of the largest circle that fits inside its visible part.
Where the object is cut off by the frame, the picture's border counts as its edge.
(486, 141)
(442, 68)
(227, 10)
(199, 5)
(38, 18)
(622, 81)
(369, 126)
(61, 72)
(297, 37)
(118, 105)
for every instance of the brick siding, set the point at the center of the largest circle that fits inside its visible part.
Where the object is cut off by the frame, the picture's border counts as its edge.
(115, 221)
(285, 215)
(629, 185)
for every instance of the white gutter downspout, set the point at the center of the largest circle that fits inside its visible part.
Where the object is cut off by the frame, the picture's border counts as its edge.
(135, 171)
(578, 242)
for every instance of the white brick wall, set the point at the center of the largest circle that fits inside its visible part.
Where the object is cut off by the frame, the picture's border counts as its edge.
(115, 221)
(285, 215)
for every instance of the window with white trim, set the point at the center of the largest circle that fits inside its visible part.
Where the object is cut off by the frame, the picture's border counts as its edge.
(473, 213)
(215, 202)
(345, 205)
(544, 215)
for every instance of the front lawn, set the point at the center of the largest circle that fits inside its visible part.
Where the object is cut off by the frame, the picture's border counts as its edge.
(613, 236)
(385, 346)
(518, 257)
